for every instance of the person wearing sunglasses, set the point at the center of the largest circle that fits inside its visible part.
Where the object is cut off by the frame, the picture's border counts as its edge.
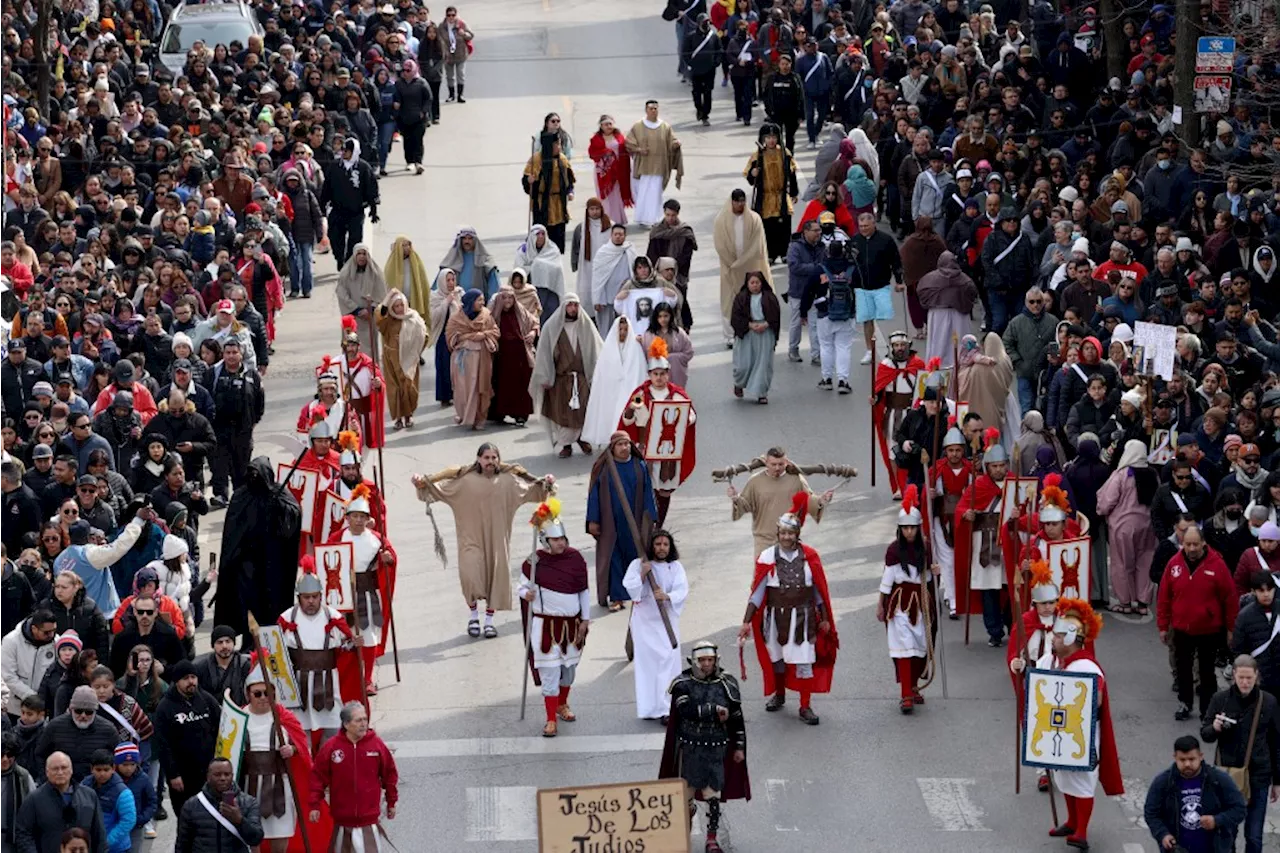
(80, 732)
(149, 629)
(93, 562)
(266, 776)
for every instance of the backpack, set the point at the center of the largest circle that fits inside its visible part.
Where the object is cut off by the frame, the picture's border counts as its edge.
(839, 296)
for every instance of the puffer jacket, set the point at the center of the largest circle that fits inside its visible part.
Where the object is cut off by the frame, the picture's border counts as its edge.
(119, 814)
(201, 832)
(308, 219)
(1253, 629)
(85, 618)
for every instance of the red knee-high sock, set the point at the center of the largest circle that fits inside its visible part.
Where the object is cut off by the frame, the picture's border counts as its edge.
(805, 698)
(552, 703)
(370, 655)
(906, 679)
(917, 671)
(564, 695)
(1084, 811)
(902, 480)
(1071, 810)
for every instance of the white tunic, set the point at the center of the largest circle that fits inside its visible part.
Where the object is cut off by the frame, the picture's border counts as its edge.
(992, 576)
(363, 549)
(656, 663)
(361, 381)
(906, 639)
(792, 652)
(259, 732)
(551, 603)
(943, 554)
(312, 630)
(1073, 783)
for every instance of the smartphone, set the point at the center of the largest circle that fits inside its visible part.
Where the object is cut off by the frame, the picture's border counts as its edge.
(229, 797)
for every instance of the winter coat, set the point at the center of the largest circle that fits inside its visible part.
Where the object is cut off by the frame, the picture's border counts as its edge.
(186, 731)
(1200, 603)
(85, 618)
(804, 266)
(1165, 510)
(62, 735)
(119, 813)
(1015, 272)
(308, 219)
(1026, 338)
(144, 796)
(1233, 740)
(189, 427)
(23, 662)
(1088, 416)
(1219, 797)
(1253, 628)
(201, 832)
(44, 817)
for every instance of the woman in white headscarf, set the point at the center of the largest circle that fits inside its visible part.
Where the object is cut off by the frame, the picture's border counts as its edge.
(446, 299)
(404, 337)
(986, 382)
(620, 369)
(361, 284)
(866, 153)
(541, 257)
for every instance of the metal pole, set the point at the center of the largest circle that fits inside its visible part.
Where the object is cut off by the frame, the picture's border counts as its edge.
(528, 626)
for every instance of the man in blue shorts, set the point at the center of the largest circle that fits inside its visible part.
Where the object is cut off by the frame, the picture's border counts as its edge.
(879, 265)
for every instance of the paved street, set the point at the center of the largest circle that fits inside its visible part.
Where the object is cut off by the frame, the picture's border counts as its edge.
(867, 778)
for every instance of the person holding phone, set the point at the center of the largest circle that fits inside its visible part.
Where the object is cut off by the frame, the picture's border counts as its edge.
(220, 817)
(1193, 805)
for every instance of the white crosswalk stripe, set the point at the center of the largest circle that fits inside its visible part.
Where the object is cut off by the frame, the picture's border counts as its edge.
(950, 806)
(502, 814)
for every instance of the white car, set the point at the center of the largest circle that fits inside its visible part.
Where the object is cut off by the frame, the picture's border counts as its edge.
(212, 23)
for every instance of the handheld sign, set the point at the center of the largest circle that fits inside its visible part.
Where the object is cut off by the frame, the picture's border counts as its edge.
(652, 817)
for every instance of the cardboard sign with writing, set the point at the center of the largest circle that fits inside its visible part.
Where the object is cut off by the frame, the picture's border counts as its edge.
(629, 817)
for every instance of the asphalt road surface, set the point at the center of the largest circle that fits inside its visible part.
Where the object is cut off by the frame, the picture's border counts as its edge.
(866, 779)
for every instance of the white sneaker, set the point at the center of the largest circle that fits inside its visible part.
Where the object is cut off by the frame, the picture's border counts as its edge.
(149, 831)
(866, 357)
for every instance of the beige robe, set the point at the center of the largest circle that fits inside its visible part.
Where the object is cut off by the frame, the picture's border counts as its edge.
(735, 265)
(653, 152)
(766, 498)
(483, 510)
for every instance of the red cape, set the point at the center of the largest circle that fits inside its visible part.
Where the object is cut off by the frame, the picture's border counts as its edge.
(827, 644)
(612, 168)
(386, 590)
(977, 497)
(376, 434)
(884, 378)
(638, 435)
(300, 777)
(1030, 624)
(1108, 755)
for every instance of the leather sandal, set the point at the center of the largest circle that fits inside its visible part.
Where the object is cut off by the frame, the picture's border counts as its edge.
(566, 451)
(490, 632)
(549, 730)
(473, 628)
(565, 713)
(917, 698)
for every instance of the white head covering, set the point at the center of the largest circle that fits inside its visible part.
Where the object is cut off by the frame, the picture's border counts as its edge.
(544, 265)
(544, 364)
(1134, 455)
(866, 152)
(1122, 333)
(620, 369)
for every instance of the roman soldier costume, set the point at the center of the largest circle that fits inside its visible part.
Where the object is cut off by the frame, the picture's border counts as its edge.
(555, 595)
(374, 564)
(1078, 626)
(328, 403)
(790, 616)
(705, 747)
(950, 475)
(359, 384)
(313, 642)
(1054, 509)
(908, 603)
(637, 420)
(349, 455)
(1037, 631)
(983, 546)
(893, 392)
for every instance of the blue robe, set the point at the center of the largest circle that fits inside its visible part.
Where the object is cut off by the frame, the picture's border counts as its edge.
(615, 531)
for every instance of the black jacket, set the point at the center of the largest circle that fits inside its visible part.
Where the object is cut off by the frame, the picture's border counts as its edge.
(308, 219)
(43, 818)
(1253, 628)
(1219, 797)
(186, 732)
(16, 382)
(85, 617)
(237, 398)
(784, 98)
(201, 832)
(706, 60)
(191, 426)
(340, 193)
(214, 680)
(162, 640)
(1165, 510)
(414, 98)
(21, 515)
(16, 600)
(877, 263)
(62, 735)
(1233, 739)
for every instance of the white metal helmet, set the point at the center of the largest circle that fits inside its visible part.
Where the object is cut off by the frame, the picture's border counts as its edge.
(909, 512)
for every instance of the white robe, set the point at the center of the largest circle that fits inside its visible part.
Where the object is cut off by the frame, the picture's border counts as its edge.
(619, 370)
(992, 576)
(800, 654)
(1073, 783)
(311, 630)
(363, 549)
(599, 237)
(546, 271)
(259, 732)
(906, 640)
(656, 663)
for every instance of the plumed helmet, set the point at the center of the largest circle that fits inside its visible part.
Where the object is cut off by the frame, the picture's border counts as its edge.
(308, 581)
(658, 355)
(909, 513)
(1043, 589)
(793, 519)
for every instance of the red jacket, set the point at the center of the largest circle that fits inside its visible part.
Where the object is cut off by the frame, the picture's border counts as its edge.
(1201, 603)
(355, 776)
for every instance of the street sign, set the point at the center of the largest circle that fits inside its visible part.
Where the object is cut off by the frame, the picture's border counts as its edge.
(1215, 54)
(1213, 93)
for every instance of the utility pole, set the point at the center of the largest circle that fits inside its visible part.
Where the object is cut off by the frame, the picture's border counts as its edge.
(43, 59)
(1187, 36)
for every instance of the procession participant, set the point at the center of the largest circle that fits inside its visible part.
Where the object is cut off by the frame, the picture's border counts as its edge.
(608, 151)
(541, 256)
(948, 294)
(656, 662)
(328, 404)
(555, 594)
(892, 394)
(472, 337)
(789, 613)
(664, 323)
(472, 265)
(981, 543)
(1052, 523)
(359, 384)
(325, 461)
(610, 267)
(607, 520)
(446, 300)
(1037, 628)
(772, 174)
(261, 533)
(636, 423)
(405, 272)
(768, 493)
(364, 780)
(639, 295)
(351, 476)
(672, 238)
(1074, 634)
(314, 633)
(563, 366)
(742, 248)
(706, 743)
(277, 759)
(918, 433)
(908, 601)
(484, 497)
(361, 285)
(757, 322)
(513, 360)
(588, 236)
(374, 564)
(950, 476)
(656, 154)
(526, 293)
(404, 338)
(619, 368)
(548, 180)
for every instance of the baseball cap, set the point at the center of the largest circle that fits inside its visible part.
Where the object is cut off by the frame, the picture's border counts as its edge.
(42, 451)
(16, 344)
(87, 480)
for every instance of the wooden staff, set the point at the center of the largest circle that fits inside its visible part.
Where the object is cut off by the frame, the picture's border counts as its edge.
(968, 575)
(928, 477)
(934, 648)
(275, 724)
(380, 482)
(355, 622)
(955, 368)
(525, 661)
(373, 354)
(635, 538)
